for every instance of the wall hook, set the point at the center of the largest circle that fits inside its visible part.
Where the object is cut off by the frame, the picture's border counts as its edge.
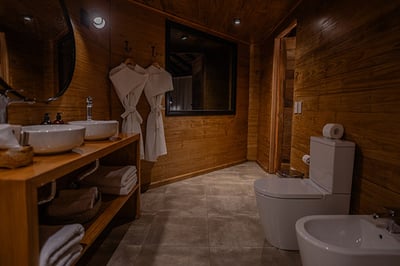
(127, 48)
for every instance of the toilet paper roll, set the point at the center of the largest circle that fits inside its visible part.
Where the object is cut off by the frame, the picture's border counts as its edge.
(333, 131)
(306, 159)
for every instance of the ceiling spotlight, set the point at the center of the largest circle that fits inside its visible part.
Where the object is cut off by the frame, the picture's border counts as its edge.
(27, 19)
(184, 37)
(236, 21)
(99, 22)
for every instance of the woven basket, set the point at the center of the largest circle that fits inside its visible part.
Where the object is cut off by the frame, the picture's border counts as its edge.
(16, 157)
(79, 218)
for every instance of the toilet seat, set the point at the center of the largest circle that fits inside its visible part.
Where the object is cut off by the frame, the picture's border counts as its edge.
(287, 188)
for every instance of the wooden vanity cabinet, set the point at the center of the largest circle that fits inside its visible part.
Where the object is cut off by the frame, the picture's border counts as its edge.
(19, 221)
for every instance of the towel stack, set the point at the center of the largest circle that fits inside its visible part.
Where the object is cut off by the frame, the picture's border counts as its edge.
(72, 202)
(116, 180)
(60, 245)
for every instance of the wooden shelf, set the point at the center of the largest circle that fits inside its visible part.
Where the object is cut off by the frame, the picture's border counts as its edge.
(19, 222)
(110, 207)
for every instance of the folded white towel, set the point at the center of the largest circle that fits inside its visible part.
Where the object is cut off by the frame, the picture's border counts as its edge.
(57, 243)
(119, 190)
(73, 201)
(111, 176)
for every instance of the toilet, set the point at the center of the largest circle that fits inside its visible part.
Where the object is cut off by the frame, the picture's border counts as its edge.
(282, 201)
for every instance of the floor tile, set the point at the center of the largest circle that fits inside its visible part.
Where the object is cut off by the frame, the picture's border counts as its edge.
(231, 205)
(224, 256)
(184, 205)
(235, 231)
(152, 202)
(138, 231)
(230, 189)
(178, 231)
(207, 220)
(172, 256)
(125, 255)
(181, 188)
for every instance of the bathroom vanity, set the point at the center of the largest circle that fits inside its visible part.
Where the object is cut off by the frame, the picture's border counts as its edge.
(19, 215)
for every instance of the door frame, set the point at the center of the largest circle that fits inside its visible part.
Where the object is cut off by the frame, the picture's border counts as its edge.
(3, 57)
(276, 91)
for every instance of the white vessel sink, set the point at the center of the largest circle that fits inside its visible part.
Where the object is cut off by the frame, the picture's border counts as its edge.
(98, 129)
(48, 139)
(346, 240)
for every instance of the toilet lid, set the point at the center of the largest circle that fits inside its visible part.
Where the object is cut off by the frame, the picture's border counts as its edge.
(287, 188)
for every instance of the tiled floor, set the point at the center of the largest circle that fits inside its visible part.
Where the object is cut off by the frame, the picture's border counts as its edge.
(208, 220)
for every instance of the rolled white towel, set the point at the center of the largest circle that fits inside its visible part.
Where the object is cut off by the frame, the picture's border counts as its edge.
(70, 256)
(57, 243)
(111, 176)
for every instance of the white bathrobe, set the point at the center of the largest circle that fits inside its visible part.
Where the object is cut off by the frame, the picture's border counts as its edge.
(129, 84)
(160, 81)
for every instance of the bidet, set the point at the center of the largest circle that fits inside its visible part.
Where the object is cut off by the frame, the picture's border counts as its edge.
(346, 240)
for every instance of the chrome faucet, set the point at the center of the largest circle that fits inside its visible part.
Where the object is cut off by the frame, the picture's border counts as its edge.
(393, 217)
(6, 101)
(89, 105)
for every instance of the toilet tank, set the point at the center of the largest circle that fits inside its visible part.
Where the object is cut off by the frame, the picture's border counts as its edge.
(331, 164)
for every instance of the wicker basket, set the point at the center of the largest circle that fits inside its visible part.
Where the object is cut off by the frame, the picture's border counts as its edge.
(16, 157)
(79, 218)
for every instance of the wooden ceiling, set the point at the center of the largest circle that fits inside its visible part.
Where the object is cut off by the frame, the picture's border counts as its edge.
(258, 17)
(47, 18)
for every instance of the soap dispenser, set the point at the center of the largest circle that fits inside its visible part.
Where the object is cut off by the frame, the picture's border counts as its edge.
(58, 119)
(46, 119)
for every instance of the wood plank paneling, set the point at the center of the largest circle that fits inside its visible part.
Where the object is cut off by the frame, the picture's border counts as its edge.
(254, 102)
(194, 143)
(264, 112)
(259, 18)
(90, 76)
(347, 72)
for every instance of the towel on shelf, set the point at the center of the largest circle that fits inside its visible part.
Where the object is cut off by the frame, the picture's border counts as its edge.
(111, 176)
(73, 201)
(60, 245)
(123, 190)
(70, 256)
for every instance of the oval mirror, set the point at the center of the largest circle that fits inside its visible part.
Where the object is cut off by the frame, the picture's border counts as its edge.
(37, 49)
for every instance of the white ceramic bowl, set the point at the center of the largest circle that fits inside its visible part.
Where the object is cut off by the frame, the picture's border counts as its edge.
(48, 139)
(98, 129)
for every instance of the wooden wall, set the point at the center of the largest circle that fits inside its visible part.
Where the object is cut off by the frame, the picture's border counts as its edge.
(254, 96)
(346, 72)
(195, 144)
(264, 112)
(347, 65)
(287, 99)
(90, 76)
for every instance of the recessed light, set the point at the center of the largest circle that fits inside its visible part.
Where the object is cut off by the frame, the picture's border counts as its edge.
(236, 21)
(28, 19)
(184, 37)
(99, 22)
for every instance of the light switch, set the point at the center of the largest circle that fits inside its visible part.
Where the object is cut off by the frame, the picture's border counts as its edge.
(297, 107)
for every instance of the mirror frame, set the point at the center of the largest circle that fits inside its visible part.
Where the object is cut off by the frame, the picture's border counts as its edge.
(232, 72)
(63, 84)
